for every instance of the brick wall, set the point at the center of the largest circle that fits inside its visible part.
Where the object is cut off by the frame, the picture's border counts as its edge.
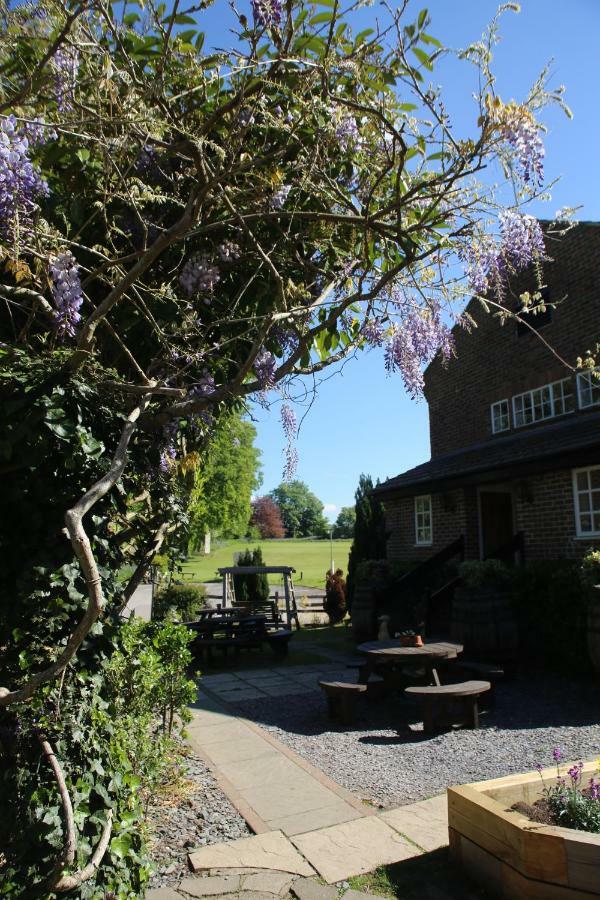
(544, 511)
(450, 514)
(493, 362)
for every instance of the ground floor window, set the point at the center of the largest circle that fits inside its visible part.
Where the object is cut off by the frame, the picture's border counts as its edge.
(423, 519)
(586, 491)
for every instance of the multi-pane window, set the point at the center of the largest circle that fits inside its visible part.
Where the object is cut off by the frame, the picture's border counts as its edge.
(588, 387)
(423, 519)
(500, 416)
(586, 490)
(543, 403)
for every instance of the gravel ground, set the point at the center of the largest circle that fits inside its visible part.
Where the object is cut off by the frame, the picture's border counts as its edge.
(386, 758)
(193, 817)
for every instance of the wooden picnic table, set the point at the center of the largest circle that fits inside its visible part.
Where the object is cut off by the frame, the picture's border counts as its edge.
(384, 654)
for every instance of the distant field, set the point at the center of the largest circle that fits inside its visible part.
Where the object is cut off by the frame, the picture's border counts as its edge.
(311, 559)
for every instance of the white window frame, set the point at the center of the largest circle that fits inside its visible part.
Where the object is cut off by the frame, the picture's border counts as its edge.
(584, 376)
(492, 408)
(550, 386)
(578, 512)
(427, 510)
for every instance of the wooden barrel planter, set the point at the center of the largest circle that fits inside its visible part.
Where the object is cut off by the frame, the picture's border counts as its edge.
(484, 622)
(364, 624)
(593, 628)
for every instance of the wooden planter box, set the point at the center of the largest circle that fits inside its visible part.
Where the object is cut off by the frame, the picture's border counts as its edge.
(514, 857)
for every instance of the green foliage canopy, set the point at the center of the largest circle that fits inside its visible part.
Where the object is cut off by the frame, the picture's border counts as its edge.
(301, 510)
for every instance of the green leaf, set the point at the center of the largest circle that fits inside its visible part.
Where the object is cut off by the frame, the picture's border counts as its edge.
(422, 17)
(321, 17)
(423, 57)
(121, 845)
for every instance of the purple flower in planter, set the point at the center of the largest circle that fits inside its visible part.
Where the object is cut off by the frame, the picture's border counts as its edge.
(574, 774)
(556, 754)
(540, 768)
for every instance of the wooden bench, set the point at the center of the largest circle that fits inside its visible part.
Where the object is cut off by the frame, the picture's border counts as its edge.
(342, 698)
(237, 633)
(440, 702)
(490, 671)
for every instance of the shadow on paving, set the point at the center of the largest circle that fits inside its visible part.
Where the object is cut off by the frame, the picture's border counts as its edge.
(525, 703)
(429, 877)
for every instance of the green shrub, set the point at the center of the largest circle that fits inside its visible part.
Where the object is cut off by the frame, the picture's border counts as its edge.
(335, 596)
(590, 568)
(485, 573)
(251, 589)
(181, 602)
(550, 604)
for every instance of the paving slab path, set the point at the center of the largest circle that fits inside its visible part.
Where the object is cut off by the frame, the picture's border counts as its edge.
(308, 829)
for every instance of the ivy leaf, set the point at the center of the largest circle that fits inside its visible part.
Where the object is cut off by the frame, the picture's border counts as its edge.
(121, 845)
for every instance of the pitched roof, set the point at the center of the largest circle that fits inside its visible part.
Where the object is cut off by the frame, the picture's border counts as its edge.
(557, 445)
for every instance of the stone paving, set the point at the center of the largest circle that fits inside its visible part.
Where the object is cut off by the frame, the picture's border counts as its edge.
(311, 834)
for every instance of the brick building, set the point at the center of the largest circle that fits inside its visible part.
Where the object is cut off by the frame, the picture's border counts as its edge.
(515, 434)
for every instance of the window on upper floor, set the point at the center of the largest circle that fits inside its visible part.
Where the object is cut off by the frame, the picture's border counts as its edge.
(586, 495)
(588, 388)
(500, 413)
(423, 519)
(545, 402)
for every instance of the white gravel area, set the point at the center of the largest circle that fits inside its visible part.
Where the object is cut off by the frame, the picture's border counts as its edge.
(198, 815)
(386, 758)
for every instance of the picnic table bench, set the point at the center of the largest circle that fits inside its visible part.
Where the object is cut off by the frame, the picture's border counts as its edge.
(236, 632)
(440, 702)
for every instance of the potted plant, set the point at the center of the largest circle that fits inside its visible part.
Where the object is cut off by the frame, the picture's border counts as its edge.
(482, 611)
(590, 577)
(410, 638)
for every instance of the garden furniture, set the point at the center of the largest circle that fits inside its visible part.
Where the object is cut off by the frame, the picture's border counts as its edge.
(448, 704)
(385, 656)
(237, 633)
(342, 698)
(490, 671)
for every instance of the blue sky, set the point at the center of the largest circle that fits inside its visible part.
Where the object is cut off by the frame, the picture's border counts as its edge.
(361, 420)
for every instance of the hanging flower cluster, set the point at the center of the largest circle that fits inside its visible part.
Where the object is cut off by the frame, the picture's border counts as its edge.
(488, 264)
(168, 454)
(373, 332)
(267, 12)
(413, 344)
(347, 133)
(205, 386)
(264, 367)
(199, 275)
(228, 251)
(280, 196)
(520, 130)
(66, 67)
(21, 184)
(66, 293)
(290, 428)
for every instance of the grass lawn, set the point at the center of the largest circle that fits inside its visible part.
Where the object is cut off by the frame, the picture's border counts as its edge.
(310, 558)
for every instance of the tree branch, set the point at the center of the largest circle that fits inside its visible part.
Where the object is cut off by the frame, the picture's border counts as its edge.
(83, 551)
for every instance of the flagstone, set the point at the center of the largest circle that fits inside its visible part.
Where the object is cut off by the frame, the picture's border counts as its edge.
(271, 850)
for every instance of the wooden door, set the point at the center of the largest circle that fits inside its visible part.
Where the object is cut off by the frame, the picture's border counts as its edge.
(497, 528)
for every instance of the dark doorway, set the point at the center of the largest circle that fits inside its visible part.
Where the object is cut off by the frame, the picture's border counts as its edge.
(497, 528)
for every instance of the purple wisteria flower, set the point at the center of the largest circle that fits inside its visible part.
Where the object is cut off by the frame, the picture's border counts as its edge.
(520, 130)
(373, 332)
(66, 68)
(278, 199)
(267, 12)
(522, 239)
(413, 344)
(204, 387)
(21, 184)
(246, 118)
(66, 293)
(199, 275)
(290, 428)
(264, 367)
(228, 251)
(347, 133)
(488, 263)
(286, 338)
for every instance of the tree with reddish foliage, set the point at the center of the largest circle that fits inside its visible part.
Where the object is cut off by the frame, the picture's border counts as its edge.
(266, 516)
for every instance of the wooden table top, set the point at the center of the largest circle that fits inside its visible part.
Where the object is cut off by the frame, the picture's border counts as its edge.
(395, 650)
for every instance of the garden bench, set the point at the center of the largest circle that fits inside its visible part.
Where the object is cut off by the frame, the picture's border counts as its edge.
(342, 698)
(236, 632)
(490, 671)
(440, 702)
